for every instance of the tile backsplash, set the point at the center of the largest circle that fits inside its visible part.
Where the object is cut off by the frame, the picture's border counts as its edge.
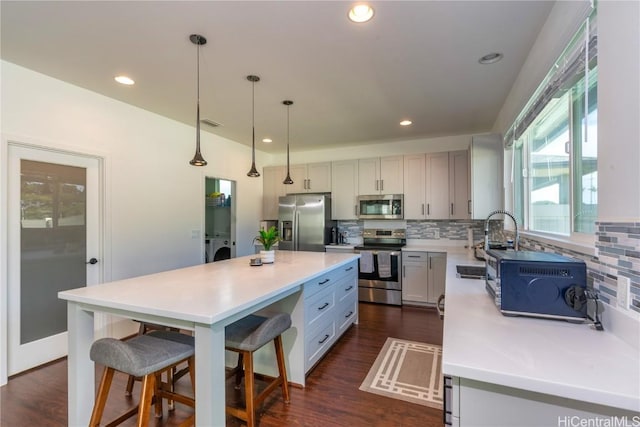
(433, 230)
(618, 245)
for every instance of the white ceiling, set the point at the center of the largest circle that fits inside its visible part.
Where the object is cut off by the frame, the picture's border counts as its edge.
(351, 83)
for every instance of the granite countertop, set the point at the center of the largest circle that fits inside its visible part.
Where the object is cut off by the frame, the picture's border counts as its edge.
(547, 356)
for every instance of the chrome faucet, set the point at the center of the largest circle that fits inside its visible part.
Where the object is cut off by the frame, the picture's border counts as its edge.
(516, 243)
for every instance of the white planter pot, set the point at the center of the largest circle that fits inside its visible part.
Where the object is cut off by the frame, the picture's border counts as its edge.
(268, 257)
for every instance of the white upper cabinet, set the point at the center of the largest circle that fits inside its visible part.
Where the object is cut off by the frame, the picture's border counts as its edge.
(459, 201)
(415, 190)
(381, 175)
(437, 185)
(426, 189)
(487, 189)
(344, 189)
(310, 178)
(272, 188)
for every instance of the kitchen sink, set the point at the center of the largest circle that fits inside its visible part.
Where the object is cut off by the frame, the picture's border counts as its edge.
(471, 271)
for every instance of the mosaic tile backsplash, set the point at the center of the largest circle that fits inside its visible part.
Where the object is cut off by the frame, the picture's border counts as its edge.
(618, 247)
(435, 230)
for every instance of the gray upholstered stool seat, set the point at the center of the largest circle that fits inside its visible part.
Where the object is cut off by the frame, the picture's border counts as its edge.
(252, 332)
(246, 336)
(146, 356)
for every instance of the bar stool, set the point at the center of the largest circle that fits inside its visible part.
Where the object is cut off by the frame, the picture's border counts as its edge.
(173, 375)
(146, 356)
(245, 337)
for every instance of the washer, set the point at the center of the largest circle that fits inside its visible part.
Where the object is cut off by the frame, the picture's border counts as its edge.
(219, 249)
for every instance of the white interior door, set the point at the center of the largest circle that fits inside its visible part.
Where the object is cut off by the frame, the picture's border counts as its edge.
(53, 233)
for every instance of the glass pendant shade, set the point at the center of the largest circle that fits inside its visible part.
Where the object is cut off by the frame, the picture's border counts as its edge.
(198, 160)
(288, 180)
(253, 172)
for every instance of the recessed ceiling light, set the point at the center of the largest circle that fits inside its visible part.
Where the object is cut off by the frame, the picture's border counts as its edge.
(124, 80)
(361, 13)
(267, 140)
(490, 58)
(405, 122)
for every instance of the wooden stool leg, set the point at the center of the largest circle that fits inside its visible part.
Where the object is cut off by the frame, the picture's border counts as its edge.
(192, 373)
(157, 395)
(101, 398)
(249, 388)
(239, 371)
(146, 395)
(282, 369)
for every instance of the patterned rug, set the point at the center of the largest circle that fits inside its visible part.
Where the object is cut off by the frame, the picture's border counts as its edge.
(409, 371)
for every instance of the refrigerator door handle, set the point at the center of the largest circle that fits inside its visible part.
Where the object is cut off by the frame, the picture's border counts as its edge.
(296, 237)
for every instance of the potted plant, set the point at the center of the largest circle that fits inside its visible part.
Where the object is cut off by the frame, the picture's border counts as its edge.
(268, 238)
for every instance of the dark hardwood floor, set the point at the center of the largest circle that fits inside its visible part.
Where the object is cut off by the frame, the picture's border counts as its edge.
(331, 398)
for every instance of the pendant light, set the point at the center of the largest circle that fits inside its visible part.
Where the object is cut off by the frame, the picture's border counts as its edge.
(288, 179)
(198, 160)
(253, 173)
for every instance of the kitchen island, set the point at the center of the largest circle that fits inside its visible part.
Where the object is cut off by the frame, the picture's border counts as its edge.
(204, 299)
(518, 371)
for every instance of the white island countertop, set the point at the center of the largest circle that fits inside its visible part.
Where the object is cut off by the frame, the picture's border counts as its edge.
(203, 298)
(547, 356)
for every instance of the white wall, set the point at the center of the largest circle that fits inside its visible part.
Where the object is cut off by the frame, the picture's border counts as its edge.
(154, 199)
(619, 111)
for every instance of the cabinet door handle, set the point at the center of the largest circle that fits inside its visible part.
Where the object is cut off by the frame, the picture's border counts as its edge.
(404, 269)
(413, 256)
(469, 206)
(428, 208)
(356, 209)
(382, 185)
(326, 337)
(377, 185)
(423, 209)
(325, 305)
(309, 184)
(430, 263)
(323, 282)
(348, 289)
(348, 269)
(348, 315)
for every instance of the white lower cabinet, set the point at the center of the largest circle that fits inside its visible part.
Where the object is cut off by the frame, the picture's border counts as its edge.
(476, 403)
(330, 307)
(423, 276)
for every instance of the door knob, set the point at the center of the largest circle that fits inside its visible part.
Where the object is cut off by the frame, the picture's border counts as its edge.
(92, 261)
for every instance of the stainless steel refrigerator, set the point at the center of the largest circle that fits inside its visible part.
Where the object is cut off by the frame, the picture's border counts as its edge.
(305, 222)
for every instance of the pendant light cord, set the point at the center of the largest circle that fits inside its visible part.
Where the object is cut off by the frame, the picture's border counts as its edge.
(253, 121)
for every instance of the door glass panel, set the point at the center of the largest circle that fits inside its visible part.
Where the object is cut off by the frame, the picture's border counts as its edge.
(53, 244)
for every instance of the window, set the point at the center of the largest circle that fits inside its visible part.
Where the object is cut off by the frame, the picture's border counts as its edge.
(554, 143)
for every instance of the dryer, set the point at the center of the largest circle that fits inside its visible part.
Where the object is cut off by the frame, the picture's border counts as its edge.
(218, 248)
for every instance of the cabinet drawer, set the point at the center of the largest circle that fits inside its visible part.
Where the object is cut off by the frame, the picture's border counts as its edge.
(346, 314)
(319, 307)
(421, 257)
(318, 343)
(346, 289)
(326, 280)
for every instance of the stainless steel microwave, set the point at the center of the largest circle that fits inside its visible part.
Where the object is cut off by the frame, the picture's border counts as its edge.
(384, 206)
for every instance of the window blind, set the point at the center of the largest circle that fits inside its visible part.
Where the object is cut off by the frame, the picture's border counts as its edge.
(567, 70)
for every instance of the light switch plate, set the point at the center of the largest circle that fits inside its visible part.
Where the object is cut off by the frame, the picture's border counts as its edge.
(195, 234)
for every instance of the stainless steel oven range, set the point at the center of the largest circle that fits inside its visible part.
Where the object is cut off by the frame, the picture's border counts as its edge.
(380, 266)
